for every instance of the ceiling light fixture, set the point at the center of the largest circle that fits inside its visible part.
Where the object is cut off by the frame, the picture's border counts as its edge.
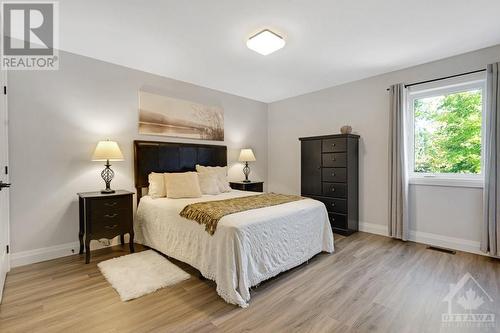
(265, 42)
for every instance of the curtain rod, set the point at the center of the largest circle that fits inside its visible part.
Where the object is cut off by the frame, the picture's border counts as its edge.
(443, 78)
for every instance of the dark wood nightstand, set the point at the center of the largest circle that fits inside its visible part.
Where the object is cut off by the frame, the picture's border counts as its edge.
(105, 216)
(251, 186)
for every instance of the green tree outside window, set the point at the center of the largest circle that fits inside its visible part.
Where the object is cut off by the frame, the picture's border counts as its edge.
(448, 133)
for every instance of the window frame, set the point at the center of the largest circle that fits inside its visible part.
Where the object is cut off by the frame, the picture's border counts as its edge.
(445, 87)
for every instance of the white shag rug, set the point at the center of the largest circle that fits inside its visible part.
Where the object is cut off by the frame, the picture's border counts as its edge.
(138, 274)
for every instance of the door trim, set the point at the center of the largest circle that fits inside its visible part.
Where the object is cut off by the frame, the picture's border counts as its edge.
(5, 264)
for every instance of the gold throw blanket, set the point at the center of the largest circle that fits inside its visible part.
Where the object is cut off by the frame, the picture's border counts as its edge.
(210, 212)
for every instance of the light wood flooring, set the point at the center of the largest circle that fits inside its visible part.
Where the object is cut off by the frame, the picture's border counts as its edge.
(370, 284)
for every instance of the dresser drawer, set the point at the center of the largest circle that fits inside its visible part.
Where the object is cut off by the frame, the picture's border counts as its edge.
(109, 215)
(334, 160)
(338, 175)
(110, 230)
(111, 222)
(104, 206)
(252, 186)
(334, 145)
(334, 205)
(338, 220)
(334, 190)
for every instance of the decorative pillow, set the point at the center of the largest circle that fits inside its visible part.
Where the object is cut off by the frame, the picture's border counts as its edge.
(156, 185)
(182, 185)
(221, 173)
(208, 183)
(223, 183)
(201, 168)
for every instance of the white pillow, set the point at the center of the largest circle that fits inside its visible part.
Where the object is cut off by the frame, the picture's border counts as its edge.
(182, 185)
(208, 183)
(223, 183)
(221, 173)
(156, 185)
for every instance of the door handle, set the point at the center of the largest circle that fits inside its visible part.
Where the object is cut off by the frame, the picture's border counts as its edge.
(4, 185)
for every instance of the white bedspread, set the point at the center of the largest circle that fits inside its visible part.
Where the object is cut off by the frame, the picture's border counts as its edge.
(246, 249)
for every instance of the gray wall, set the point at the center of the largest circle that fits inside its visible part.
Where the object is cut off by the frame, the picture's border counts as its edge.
(57, 117)
(447, 211)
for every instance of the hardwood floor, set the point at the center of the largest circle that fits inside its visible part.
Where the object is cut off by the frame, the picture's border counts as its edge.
(370, 284)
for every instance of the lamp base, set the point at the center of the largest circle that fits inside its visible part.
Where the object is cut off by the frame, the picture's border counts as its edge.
(246, 181)
(107, 175)
(246, 172)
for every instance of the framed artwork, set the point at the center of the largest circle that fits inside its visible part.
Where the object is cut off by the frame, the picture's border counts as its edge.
(167, 116)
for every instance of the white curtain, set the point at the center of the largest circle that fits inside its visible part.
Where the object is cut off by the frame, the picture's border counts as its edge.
(398, 173)
(490, 240)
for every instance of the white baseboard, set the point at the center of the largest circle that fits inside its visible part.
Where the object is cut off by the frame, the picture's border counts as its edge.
(373, 228)
(58, 251)
(43, 254)
(453, 243)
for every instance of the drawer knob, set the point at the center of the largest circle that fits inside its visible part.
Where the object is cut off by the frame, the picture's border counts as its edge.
(333, 144)
(111, 216)
(333, 174)
(333, 219)
(333, 189)
(333, 204)
(110, 227)
(333, 158)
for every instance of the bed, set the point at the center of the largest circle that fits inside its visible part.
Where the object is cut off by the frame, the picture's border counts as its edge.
(247, 248)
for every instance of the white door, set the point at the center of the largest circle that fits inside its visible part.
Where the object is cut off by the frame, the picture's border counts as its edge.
(4, 181)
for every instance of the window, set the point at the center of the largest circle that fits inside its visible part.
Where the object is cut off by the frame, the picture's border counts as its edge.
(445, 133)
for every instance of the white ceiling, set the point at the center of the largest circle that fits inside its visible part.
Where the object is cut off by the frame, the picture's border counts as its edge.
(329, 42)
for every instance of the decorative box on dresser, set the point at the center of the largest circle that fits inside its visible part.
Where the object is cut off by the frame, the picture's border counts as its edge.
(105, 216)
(329, 173)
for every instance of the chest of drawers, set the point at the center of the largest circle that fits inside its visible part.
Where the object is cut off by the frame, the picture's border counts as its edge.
(105, 216)
(329, 173)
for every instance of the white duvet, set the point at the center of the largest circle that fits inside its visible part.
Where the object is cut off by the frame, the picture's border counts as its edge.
(246, 249)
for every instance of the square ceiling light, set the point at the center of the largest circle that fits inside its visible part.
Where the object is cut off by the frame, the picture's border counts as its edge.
(265, 42)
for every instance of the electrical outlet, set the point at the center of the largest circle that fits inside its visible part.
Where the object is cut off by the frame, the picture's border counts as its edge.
(104, 242)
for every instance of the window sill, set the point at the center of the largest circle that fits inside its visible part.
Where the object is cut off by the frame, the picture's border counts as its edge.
(446, 182)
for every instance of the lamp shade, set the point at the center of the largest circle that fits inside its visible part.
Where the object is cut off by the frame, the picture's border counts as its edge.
(246, 155)
(107, 150)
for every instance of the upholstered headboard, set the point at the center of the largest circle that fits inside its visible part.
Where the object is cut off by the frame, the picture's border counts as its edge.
(153, 156)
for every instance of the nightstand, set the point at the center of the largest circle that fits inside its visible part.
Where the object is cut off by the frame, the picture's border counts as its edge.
(251, 186)
(105, 216)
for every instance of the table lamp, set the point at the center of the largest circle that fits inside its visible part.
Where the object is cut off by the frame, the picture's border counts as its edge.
(246, 155)
(107, 151)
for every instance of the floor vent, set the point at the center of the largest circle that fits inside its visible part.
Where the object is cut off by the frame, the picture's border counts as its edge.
(441, 249)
